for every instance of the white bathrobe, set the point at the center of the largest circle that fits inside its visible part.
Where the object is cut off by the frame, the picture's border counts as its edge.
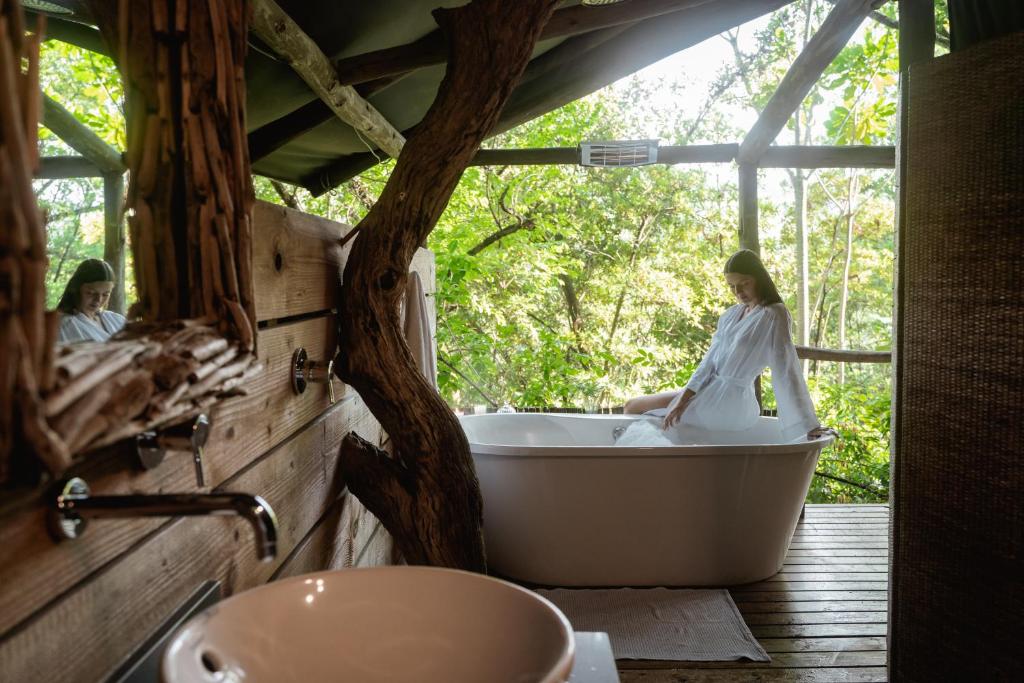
(80, 327)
(724, 380)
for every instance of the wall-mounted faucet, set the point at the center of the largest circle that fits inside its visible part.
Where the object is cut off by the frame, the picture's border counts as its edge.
(74, 505)
(306, 371)
(187, 438)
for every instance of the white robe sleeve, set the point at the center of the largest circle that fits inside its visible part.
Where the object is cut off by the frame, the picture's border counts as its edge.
(706, 368)
(796, 411)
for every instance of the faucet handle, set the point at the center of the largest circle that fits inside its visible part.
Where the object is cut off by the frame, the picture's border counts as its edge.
(153, 447)
(305, 371)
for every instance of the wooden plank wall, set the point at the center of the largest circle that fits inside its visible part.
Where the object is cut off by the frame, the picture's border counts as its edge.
(94, 600)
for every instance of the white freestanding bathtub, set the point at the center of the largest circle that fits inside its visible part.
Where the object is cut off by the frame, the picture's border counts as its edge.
(563, 506)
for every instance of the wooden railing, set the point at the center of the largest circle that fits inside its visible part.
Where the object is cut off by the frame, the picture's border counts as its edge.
(843, 356)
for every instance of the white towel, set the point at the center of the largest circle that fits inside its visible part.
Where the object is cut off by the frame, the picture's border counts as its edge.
(417, 328)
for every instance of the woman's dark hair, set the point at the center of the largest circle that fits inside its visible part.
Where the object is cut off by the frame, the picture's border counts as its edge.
(89, 270)
(746, 262)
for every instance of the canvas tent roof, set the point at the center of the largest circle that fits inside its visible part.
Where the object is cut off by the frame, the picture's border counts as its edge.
(322, 151)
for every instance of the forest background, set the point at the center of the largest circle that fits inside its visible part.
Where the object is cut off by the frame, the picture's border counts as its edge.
(562, 286)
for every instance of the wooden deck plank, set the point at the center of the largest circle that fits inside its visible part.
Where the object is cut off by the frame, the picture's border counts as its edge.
(813, 606)
(876, 585)
(823, 675)
(817, 568)
(817, 618)
(807, 596)
(830, 560)
(817, 630)
(838, 552)
(780, 660)
(863, 644)
(824, 576)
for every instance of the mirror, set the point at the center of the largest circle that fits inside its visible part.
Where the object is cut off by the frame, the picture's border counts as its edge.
(80, 188)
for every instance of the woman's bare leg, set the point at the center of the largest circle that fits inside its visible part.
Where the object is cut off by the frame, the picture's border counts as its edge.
(642, 404)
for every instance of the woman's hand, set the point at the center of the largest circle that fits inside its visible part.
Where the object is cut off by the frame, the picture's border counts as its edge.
(819, 432)
(676, 408)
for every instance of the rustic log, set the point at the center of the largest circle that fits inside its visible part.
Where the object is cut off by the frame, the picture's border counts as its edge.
(80, 138)
(427, 495)
(805, 71)
(286, 38)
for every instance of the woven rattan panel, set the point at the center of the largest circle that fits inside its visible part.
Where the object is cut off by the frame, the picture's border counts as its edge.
(957, 601)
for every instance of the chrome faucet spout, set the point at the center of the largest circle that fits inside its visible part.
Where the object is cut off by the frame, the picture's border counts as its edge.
(74, 505)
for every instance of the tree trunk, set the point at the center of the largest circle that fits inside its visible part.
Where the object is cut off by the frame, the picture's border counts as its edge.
(845, 291)
(427, 494)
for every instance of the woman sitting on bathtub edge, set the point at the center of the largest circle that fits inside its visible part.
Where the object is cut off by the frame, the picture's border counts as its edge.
(751, 335)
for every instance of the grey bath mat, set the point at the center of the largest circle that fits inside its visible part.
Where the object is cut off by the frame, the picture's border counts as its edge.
(661, 623)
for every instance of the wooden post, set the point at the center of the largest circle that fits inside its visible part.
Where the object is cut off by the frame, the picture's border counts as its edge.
(113, 236)
(426, 493)
(916, 44)
(748, 208)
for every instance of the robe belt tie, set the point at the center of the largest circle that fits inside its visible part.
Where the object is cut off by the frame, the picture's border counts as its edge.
(736, 381)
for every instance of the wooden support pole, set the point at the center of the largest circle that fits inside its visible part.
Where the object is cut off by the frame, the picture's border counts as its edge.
(806, 69)
(284, 36)
(80, 138)
(748, 208)
(114, 236)
(916, 45)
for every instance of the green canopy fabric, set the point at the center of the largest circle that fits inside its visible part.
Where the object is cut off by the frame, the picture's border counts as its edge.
(321, 151)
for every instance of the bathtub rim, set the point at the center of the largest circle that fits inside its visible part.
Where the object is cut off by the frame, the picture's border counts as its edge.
(646, 452)
(638, 452)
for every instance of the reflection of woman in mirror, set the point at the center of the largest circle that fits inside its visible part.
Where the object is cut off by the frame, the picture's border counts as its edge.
(83, 302)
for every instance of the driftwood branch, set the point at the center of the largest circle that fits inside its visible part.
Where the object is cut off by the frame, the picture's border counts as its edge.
(434, 512)
(282, 34)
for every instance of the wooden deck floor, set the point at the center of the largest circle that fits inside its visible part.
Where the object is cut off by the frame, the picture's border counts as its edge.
(822, 618)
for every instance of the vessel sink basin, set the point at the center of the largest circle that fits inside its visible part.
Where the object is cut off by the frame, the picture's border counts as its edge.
(382, 624)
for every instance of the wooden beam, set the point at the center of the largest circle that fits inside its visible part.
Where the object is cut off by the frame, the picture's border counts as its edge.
(807, 68)
(284, 36)
(843, 356)
(838, 156)
(851, 156)
(67, 167)
(748, 208)
(431, 49)
(72, 131)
